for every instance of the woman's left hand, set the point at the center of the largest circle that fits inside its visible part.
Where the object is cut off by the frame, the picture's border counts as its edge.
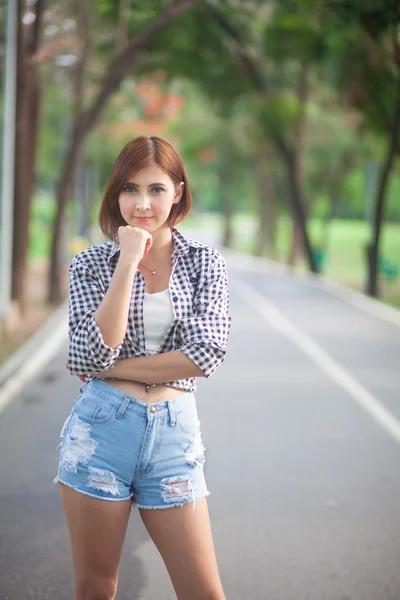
(81, 377)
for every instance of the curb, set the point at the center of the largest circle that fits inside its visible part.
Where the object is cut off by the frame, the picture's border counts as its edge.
(370, 305)
(32, 356)
(40, 348)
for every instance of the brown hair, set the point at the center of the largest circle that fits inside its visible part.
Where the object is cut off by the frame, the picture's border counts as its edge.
(136, 155)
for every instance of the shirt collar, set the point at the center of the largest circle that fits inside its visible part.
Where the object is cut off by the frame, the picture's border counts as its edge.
(182, 244)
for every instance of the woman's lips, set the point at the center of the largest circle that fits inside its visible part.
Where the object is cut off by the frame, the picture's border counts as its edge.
(143, 218)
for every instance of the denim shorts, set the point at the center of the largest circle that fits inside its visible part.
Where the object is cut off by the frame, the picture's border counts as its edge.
(114, 447)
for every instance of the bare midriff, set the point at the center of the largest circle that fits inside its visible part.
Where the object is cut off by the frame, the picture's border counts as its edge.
(156, 393)
(153, 284)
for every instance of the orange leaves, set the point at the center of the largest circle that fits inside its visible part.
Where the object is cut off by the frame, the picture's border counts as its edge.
(207, 154)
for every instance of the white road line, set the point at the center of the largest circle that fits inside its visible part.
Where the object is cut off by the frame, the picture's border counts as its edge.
(34, 363)
(333, 369)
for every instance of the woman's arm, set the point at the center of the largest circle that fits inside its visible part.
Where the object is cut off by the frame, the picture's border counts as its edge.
(98, 318)
(159, 368)
(206, 332)
(204, 337)
(112, 314)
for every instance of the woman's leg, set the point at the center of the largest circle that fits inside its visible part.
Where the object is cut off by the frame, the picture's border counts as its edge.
(184, 539)
(97, 530)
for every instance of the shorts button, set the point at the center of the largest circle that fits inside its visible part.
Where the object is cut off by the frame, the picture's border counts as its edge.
(153, 409)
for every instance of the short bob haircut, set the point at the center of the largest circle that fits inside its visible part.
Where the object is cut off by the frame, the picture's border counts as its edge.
(139, 153)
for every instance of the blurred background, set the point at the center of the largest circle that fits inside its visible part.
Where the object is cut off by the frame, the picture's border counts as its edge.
(287, 115)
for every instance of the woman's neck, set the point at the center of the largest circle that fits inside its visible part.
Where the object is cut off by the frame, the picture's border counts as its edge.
(161, 248)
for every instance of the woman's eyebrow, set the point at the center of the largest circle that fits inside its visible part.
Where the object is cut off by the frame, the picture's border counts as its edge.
(150, 184)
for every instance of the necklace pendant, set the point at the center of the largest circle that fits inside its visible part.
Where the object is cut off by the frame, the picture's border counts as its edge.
(154, 272)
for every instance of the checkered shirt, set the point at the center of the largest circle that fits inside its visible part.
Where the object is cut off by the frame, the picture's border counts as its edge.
(199, 292)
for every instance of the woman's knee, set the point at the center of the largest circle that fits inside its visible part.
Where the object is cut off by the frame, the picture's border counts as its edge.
(98, 588)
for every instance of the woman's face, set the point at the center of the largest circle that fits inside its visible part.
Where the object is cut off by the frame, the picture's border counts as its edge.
(147, 197)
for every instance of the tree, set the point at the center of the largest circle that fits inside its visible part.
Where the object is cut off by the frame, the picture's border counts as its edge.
(27, 121)
(271, 107)
(119, 67)
(365, 49)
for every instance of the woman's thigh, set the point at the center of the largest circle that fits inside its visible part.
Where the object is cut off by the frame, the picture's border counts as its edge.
(97, 530)
(183, 536)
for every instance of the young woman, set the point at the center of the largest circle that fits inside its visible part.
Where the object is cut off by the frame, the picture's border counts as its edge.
(148, 314)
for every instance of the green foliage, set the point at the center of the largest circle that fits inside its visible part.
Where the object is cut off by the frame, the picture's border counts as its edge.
(293, 35)
(53, 134)
(360, 55)
(277, 113)
(341, 46)
(198, 51)
(373, 16)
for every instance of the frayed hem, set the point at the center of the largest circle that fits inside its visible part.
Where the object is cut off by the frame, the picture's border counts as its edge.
(73, 487)
(164, 506)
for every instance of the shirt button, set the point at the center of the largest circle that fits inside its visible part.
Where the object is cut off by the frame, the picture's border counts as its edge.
(153, 409)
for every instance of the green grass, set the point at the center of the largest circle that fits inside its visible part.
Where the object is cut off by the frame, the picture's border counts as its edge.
(345, 241)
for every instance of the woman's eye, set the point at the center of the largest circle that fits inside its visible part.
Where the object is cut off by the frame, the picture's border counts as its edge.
(157, 190)
(129, 189)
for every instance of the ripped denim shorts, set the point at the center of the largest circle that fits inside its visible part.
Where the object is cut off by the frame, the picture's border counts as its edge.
(115, 447)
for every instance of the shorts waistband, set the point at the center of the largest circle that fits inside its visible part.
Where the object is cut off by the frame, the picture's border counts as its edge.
(160, 408)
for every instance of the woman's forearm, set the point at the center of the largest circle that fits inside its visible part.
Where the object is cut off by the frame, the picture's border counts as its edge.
(160, 368)
(112, 314)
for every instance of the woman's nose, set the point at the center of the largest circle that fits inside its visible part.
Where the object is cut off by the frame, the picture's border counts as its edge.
(142, 202)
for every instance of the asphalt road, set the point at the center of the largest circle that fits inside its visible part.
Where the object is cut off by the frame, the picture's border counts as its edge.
(305, 486)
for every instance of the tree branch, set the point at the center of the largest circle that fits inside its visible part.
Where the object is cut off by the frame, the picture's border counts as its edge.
(122, 28)
(78, 74)
(124, 60)
(396, 47)
(37, 27)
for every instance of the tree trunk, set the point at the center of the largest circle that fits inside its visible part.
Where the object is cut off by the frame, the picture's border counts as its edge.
(251, 67)
(119, 67)
(337, 178)
(226, 197)
(298, 153)
(295, 243)
(27, 120)
(265, 242)
(372, 250)
(227, 238)
(297, 203)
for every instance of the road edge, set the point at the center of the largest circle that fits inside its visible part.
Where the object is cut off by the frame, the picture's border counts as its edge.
(33, 355)
(53, 333)
(370, 305)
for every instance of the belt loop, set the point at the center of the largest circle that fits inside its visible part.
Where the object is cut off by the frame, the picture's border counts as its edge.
(171, 413)
(123, 406)
(83, 387)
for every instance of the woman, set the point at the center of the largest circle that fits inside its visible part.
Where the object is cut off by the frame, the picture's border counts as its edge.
(148, 314)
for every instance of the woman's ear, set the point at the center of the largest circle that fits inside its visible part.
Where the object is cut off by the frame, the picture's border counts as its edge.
(179, 192)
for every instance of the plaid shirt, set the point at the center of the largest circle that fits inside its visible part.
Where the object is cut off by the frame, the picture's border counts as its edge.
(199, 292)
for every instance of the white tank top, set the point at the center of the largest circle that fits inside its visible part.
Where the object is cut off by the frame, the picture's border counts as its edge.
(158, 315)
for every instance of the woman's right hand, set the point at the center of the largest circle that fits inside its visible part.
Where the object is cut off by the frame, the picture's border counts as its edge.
(134, 243)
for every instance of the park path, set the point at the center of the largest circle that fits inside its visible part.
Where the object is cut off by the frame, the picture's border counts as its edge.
(303, 476)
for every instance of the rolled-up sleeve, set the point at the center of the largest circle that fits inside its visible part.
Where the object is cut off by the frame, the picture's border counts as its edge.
(205, 334)
(88, 353)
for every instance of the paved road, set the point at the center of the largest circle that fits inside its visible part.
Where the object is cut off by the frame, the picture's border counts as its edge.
(305, 487)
